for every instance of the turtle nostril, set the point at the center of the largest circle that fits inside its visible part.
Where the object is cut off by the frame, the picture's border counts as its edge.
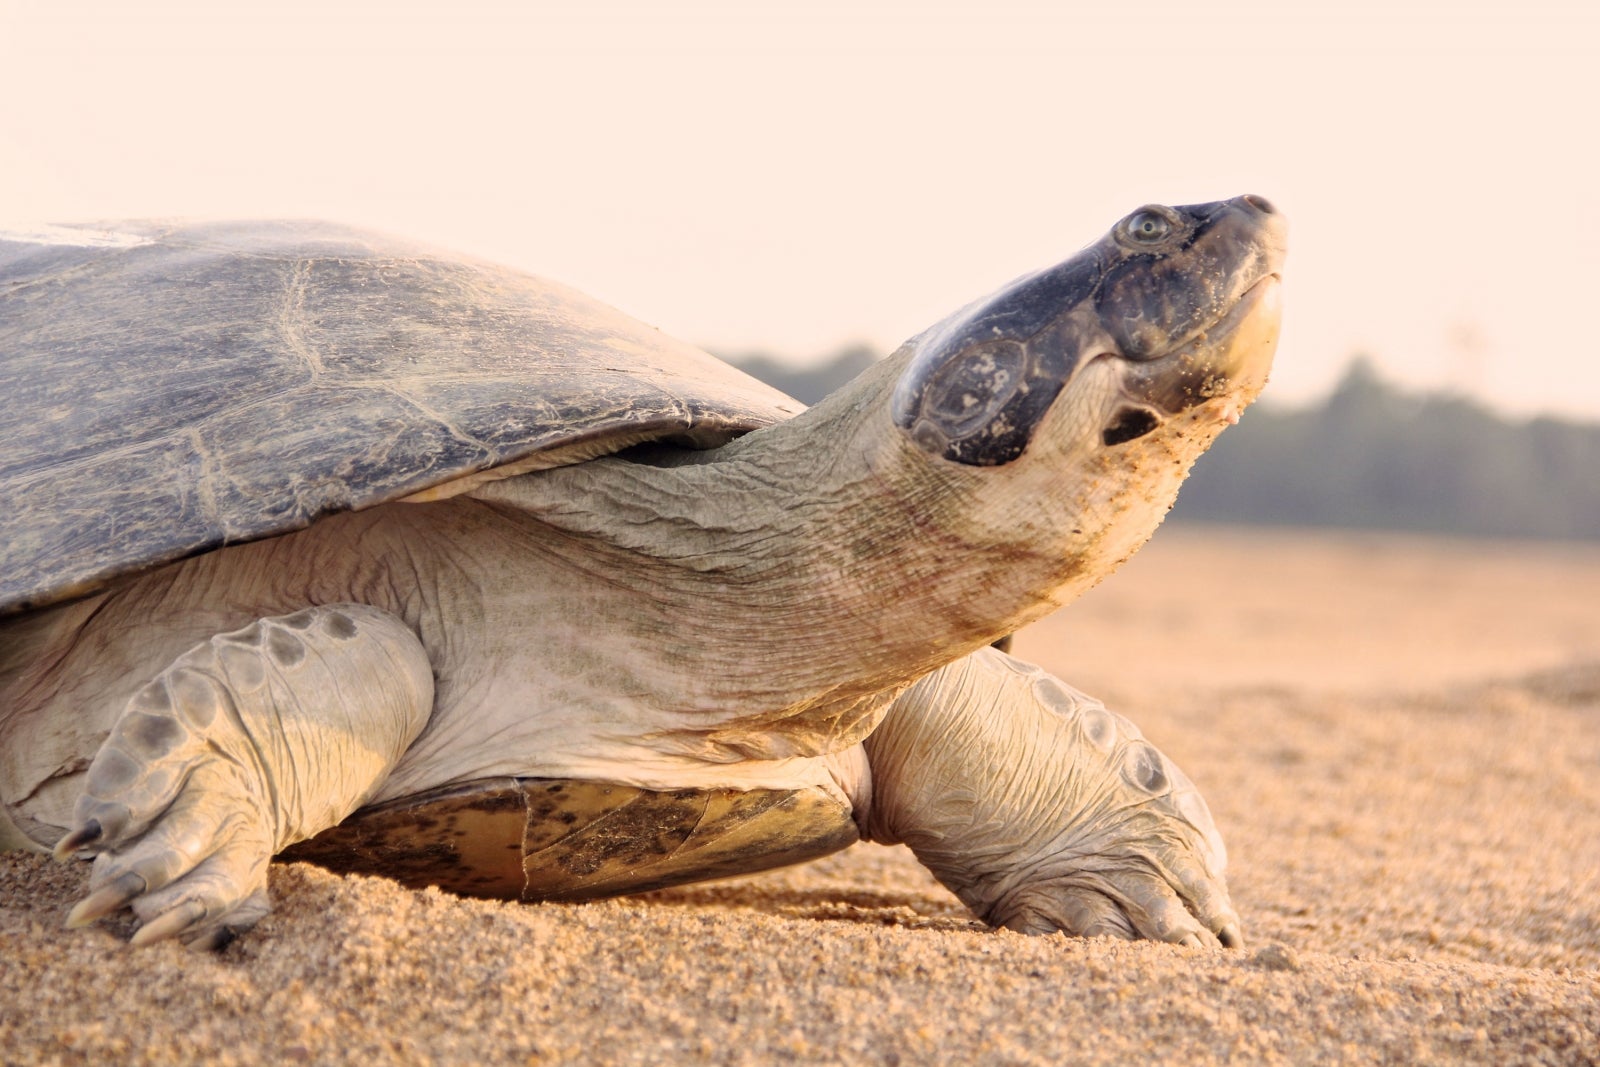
(1260, 203)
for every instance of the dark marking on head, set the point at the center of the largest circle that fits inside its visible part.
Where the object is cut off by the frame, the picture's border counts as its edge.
(981, 382)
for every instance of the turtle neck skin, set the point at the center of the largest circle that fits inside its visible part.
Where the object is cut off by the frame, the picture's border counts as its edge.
(996, 467)
(845, 562)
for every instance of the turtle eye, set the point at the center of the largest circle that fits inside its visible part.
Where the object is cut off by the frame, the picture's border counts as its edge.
(1148, 227)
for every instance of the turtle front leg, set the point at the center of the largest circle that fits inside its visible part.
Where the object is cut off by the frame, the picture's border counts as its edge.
(1043, 811)
(247, 743)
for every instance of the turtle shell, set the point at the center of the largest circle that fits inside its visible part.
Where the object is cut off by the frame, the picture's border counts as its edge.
(169, 389)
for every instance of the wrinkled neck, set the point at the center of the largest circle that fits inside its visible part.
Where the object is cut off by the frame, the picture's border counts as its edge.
(810, 560)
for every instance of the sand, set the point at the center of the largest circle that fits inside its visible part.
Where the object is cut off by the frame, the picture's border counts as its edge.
(1399, 737)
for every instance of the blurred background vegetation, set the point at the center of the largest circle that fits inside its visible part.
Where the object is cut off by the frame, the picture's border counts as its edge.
(1370, 456)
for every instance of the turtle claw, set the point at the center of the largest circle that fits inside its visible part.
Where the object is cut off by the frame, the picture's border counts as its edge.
(169, 924)
(1230, 936)
(106, 900)
(173, 807)
(213, 940)
(245, 744)
(188, 871)
(67, 848)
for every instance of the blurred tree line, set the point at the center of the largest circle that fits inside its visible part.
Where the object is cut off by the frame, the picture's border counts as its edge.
(1370, 456)
(806, 384)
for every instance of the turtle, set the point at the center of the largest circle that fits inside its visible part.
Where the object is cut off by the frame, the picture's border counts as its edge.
(327, 545)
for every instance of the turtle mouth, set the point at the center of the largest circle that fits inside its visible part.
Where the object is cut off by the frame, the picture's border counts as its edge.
(1225, 361)
(1242, 343)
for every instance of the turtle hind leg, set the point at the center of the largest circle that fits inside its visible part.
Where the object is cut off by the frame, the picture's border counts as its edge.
(1044, 811)
(247, 743)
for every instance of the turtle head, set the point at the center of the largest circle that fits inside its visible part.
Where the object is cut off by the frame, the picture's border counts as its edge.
(1170, 318)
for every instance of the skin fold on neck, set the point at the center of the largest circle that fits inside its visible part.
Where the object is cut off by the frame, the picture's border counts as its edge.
(844, 560)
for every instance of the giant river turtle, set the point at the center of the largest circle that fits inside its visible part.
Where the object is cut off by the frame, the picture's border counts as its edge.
(318, 543)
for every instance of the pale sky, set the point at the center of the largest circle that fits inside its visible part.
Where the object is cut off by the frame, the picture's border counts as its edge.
(795, 176)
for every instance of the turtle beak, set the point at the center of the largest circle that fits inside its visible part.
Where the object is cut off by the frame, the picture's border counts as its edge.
(1228, 361)
(1250, 338)
(1242, 343)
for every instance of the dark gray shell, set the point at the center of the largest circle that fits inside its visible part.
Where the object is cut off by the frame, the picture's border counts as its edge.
(169, 389)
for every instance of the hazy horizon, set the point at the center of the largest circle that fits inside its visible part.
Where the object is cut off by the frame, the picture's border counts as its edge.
(795, 178)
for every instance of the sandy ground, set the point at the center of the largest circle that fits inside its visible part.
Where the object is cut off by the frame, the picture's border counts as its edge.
(1400, 738)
